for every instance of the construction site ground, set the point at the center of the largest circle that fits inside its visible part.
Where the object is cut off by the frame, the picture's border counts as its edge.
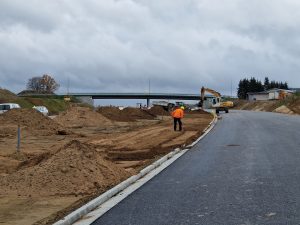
(66, 161)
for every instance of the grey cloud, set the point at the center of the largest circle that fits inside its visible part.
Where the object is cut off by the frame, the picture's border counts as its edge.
(179, 45)
(32, 14)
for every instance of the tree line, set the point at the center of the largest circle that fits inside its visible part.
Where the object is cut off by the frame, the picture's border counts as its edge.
(253, 85)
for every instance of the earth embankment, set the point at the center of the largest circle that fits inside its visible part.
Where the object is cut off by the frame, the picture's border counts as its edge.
(290, 105)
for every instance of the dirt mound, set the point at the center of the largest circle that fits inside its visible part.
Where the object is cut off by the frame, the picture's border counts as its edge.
(114, 113)
(136, 113)
(158, 110)
(76, 169)
(32, 120)
(283, 109)
(81, 116)
(198, 111)
(125, 115)
(9, 131)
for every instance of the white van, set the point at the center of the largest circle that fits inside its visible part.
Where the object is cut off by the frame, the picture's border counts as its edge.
(8, 106)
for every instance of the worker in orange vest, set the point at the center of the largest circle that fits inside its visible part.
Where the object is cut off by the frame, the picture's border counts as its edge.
(177, 115)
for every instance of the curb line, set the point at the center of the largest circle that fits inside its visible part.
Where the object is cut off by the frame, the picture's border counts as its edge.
(93, 204)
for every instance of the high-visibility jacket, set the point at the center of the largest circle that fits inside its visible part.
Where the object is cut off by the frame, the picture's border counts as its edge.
(178, 113)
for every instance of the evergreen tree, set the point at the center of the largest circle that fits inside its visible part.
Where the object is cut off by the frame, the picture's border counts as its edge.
(266, 83)
(260, 86)
(243, 88)
(254, 85)
(272, 84)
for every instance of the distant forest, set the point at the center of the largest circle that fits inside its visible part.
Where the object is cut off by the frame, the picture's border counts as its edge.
(253, 85)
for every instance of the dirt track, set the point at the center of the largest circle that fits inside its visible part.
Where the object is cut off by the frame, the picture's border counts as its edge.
(55, 173)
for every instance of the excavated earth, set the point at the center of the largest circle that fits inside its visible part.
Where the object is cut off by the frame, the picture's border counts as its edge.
(53, 174)
(128, 114)
(30, 120)
(81, 117)
(75, 169)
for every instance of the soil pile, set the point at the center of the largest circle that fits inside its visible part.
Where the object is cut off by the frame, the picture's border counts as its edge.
(198, 111)
(82, 117)
(31, 120)
(9, 131)
(136, 113)
(75, 169)
(158, 110)
(283, 109)
(114, 113)
(126, 115)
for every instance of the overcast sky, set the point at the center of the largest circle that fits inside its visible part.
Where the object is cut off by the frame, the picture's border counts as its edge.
(119, 45)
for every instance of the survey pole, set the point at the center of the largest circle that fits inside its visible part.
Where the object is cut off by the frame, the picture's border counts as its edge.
(19, 139)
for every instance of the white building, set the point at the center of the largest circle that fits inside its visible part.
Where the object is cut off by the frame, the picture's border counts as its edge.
(272, 94)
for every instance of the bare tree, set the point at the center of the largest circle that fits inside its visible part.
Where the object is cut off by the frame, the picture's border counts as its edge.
(44, 84)
(48, 84)
(34, 84)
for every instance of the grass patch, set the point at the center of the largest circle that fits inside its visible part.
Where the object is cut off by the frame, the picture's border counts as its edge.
(55, 104)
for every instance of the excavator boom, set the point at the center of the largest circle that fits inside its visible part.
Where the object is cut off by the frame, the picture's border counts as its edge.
(213, 92)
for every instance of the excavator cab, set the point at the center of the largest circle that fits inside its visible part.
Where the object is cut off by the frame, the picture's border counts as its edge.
(216, 101)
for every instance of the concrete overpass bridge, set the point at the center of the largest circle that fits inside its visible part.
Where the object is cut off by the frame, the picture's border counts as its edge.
(146, 96)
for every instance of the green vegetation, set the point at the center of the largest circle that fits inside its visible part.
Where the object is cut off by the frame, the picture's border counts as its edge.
(55, 104)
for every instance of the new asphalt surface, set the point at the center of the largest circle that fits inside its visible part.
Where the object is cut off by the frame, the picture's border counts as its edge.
(246, 171)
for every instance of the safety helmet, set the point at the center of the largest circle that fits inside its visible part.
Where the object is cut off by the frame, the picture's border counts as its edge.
(182, 107)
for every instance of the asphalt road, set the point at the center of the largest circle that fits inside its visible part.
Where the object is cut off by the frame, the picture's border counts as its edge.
(246, 171)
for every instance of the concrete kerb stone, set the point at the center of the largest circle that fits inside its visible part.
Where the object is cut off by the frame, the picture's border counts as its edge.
(77, 214)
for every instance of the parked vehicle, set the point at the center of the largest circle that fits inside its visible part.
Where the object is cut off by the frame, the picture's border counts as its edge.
(8, 106)
(41, 109)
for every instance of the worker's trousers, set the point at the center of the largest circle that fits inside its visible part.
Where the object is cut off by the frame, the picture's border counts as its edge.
(177, 120)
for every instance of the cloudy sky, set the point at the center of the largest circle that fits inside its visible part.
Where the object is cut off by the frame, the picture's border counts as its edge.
(119, 45)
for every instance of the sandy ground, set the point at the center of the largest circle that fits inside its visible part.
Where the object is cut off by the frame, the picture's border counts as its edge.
(65, 161)
(23, 210)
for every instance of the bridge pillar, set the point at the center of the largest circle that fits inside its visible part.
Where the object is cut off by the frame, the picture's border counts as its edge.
(148, 102)
(86, 99)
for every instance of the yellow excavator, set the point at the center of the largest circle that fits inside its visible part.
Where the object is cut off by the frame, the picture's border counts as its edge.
(217, 102)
